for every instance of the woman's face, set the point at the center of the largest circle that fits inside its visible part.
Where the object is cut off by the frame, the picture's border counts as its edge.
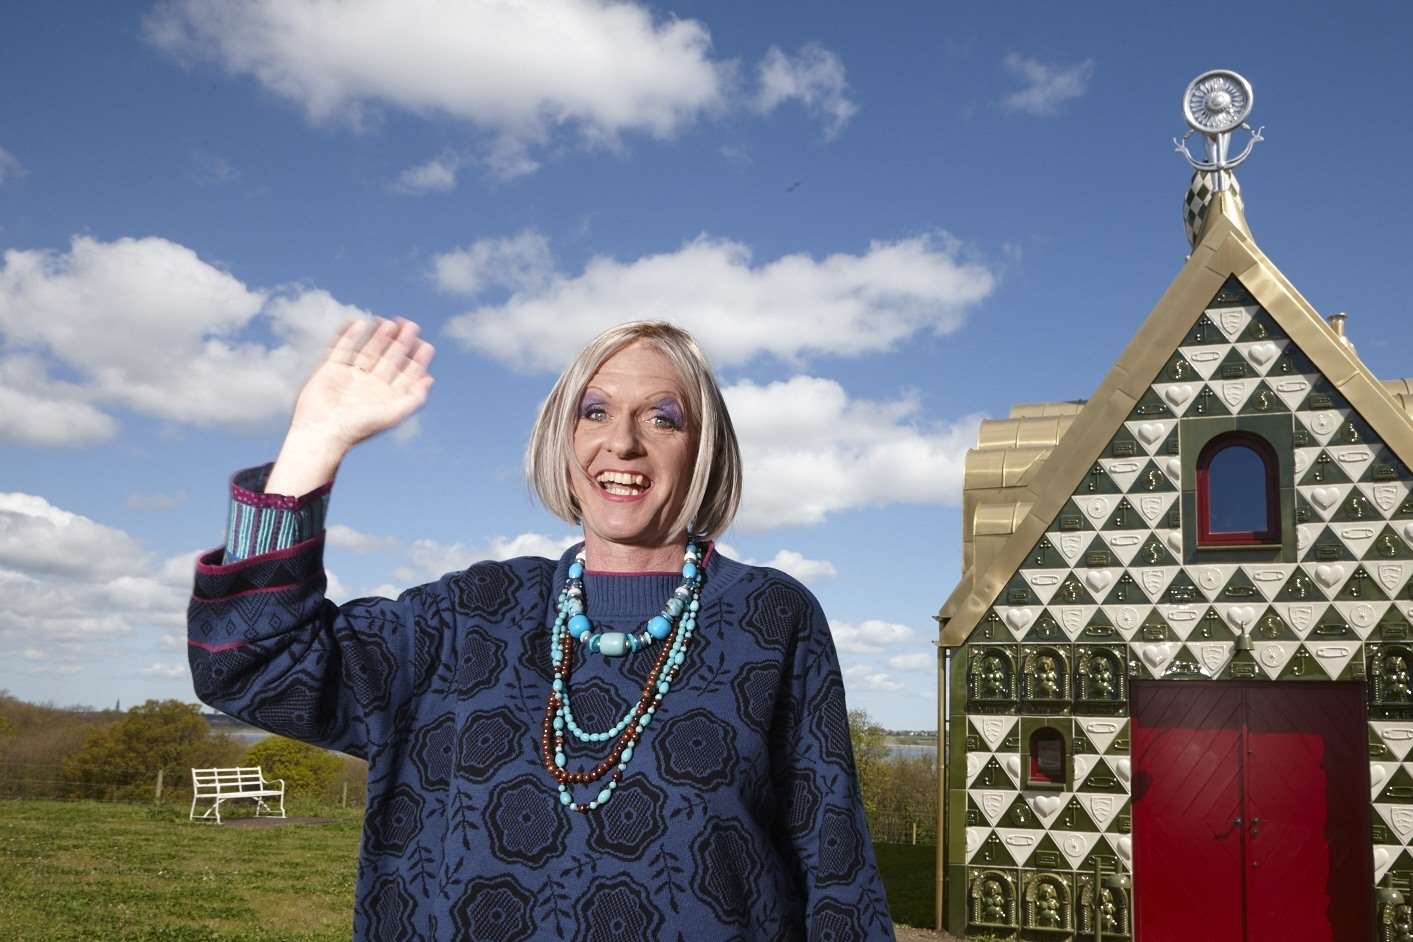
(634, 448)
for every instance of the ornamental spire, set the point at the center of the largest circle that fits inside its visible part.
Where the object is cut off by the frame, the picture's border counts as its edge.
(1215, 104)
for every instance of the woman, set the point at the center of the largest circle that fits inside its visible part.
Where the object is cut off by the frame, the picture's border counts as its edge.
(641, 740)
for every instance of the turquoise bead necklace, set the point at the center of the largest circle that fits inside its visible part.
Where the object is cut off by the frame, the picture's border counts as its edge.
(675, 624)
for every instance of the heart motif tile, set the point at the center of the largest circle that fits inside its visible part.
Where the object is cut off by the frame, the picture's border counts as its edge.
(1019, 618)
(1124, 847)
(1262, 353)
(1325, 497)
(1242, 616)
(1174, 540)
(1124, 770)
(1172, 466)
(1408, 531)
(1046, 805)
(1098, 579)
(1013, 766)
(1377, 774)
(1382, 859)
(1328, 574)
(1150, 432)
(1178, 394)
(1155, 654)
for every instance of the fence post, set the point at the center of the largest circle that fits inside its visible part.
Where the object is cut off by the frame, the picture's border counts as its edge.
(345, 793)
(157, 798)
(914, 833)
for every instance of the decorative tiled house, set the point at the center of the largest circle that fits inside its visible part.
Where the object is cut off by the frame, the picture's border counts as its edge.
(1181, 653)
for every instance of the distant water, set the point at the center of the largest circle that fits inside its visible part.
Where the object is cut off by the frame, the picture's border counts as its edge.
(911, 750)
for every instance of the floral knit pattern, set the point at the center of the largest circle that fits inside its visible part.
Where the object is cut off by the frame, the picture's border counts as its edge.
(739, 818)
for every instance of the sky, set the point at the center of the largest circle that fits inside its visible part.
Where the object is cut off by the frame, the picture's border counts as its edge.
(884, 222)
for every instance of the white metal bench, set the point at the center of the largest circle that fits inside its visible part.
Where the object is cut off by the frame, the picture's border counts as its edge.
(218, 785)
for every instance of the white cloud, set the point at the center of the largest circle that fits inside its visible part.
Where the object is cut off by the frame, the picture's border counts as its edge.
(809, 451)
(210, 169)
(806, 570)
(861, 677)
(162, 669)
(515, 70)
(520, 262)
(78, 590)
(430, 559)
(10, 166)
(814, 77)
(796, 305)
(38, 538)
(345, 537)
(437, 175)
(1047, 86)
(37, 410)
(919, 661)
(155, 501)
(102, 309)
(868, 637)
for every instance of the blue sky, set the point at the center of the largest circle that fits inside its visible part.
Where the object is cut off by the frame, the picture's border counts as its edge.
(883, 220)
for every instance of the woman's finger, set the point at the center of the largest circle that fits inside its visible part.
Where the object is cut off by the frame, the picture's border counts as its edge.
(395, 358)
(346, 342)
(374, 346)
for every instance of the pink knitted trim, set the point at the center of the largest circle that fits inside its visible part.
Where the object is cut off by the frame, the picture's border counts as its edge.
(215, 648)
(278, 501)
(205, 568)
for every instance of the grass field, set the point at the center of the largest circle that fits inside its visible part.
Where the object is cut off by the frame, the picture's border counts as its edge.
(90, 872)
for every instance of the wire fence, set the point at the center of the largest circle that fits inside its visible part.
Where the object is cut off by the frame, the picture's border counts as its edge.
(903, 829)
(149, 786)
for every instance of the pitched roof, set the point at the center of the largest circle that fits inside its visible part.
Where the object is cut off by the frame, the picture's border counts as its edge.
(1009, 504)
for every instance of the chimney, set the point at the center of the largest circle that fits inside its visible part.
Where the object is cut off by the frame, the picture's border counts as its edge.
(1337, 322)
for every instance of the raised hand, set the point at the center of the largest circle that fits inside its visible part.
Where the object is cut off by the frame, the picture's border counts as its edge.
(368, 383)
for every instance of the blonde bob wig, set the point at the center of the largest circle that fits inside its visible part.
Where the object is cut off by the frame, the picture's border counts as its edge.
(715, 490)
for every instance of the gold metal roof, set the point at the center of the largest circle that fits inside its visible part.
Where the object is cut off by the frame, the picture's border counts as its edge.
(1006, 504)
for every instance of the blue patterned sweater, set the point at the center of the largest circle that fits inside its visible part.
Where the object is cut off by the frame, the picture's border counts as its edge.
(739, 817)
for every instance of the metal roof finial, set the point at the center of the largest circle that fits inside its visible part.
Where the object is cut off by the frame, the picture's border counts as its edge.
(1215, 104)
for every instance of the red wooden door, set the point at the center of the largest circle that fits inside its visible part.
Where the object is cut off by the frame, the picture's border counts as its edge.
(1250, 813)
(1186, 742)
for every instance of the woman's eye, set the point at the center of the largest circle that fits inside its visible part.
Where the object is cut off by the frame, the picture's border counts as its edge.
(665, 422)
(595, 413)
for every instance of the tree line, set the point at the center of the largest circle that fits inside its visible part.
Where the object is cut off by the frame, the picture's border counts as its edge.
(112, 755)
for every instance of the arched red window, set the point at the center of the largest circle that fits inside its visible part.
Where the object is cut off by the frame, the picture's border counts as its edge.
(1238, 492)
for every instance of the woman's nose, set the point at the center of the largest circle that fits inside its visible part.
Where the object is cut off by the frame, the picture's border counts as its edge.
(623, 439)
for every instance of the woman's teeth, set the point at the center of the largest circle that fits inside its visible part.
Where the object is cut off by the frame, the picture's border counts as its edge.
(621, 483)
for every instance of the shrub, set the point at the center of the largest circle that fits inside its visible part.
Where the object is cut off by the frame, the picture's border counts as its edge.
(308, 771)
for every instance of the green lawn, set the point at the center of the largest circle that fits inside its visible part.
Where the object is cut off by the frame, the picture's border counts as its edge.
(909, 876)
(91, 872)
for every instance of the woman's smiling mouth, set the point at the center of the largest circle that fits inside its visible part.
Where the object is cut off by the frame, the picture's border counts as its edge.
(623, 484)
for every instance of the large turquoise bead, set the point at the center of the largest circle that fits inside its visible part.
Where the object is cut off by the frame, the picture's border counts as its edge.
(613, 644)
(579, 624)
(575, 570)
(659, 627)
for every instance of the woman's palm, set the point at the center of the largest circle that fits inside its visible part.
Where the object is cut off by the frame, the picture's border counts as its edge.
(366, 385)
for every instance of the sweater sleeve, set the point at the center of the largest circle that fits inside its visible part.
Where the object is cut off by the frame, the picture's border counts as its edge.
(258, 523)
(265, 645)
(822, 832)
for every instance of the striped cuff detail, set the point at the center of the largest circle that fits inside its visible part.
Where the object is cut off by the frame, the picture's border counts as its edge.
(260, 523)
